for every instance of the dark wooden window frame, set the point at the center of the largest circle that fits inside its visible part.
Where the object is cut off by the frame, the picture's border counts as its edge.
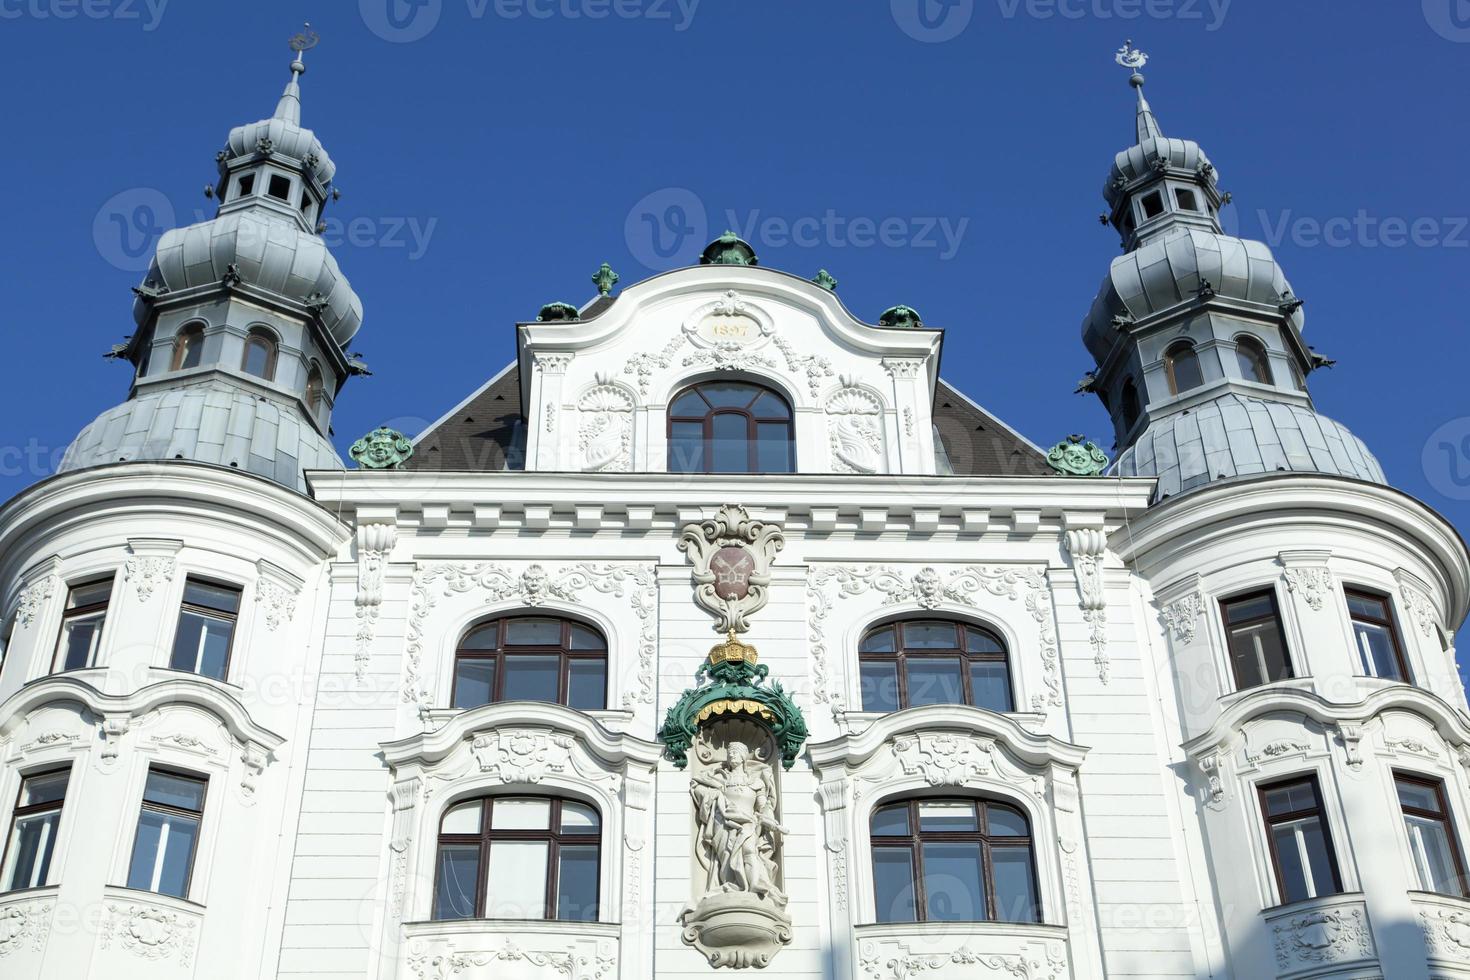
(1248, 346)
(1444, 817)
(901, 657)
(17, 811)
(554, 838)
(189, 333)
(563, 650)
(1319, 812)
(1389, 623)
(1171, 361)
(1275, 617)
(915, 839)
(91, 609)
(178, 811)
(752, 422)
(210, 612)
(259, 335)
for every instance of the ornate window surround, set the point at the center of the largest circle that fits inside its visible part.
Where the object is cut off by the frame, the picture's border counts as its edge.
(524, 747)
(945, 750)
(963, 615)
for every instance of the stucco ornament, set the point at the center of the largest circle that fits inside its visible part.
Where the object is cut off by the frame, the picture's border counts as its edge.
(732, 556)
(605, 438)
(854, 425)
(381, 449)
(1077, 457)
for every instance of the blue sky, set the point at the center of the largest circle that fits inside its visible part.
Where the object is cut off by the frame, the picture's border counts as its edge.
(493, 152)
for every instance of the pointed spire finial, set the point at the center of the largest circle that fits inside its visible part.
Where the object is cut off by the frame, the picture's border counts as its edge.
(289, 108)
(1133, 59)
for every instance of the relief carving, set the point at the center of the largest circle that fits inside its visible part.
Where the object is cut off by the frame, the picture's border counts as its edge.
(944, 759)
(374, 543)
(855, 430)
(1182, 617)
(1326, 936)
(605, 439)
(150, 933)
(1086, 546)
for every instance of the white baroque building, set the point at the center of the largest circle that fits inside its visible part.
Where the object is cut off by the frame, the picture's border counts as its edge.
(489, 705)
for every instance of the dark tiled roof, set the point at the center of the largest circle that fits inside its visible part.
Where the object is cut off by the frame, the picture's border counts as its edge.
(484, 434)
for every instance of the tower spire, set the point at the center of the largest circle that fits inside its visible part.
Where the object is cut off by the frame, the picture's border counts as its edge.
(289, 108)
(1133, 59)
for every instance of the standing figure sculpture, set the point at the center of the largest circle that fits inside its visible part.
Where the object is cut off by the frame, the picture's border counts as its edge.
(735, 806)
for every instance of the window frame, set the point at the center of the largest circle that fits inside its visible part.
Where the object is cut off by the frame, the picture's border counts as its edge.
(1130, 405)
(901, 655)
(189, 335)
(916, 838)
(1446, 819)
(1275, 617)
(17, 812)
(1389, 623)
(208, 612)
(1250, 347)
(144, 805)
(1269, 822)
(92, 609)
(1172, 357)
(262, 337)
(753, 422)
(316, 389)
(555, 839)
(563, 650)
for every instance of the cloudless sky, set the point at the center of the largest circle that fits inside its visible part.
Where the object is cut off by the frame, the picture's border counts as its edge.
(493, 152)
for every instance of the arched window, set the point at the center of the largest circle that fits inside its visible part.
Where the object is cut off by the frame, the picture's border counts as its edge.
(1182, 365)
(1250, 354)
(918, 662)
(314, 389)
(730, 427)
(260, 355)
(938, 860)
(526, 658)
(510, 857)
(188, 348)
(1131, 408)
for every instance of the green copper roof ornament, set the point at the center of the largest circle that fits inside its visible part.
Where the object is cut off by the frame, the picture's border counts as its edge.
(728, 249)
(901, 316)
(381, 449)
(1077, 457)
(824, 279)
(734, 687)
(605, 279)
(558, 313)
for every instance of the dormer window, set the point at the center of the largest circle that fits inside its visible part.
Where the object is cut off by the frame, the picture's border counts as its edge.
(730, 427)
(1187, 199)
(1255, 366)
(188, 348)
(245, 186)
(1153, 205)
(279, 187)
(1181, 363)
(260, 355)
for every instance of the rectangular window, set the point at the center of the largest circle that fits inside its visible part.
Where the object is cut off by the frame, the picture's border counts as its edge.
(1256, 639)
(1380, 653)
(1301, 844)
(206, 629)
(1432, 842)
(168, 833)
(81, 625)
(1187, 200)
(33, 826)
(1153, 205)
(279, 187)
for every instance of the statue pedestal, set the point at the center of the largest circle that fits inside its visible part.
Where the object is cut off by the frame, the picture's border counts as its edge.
(736, 929)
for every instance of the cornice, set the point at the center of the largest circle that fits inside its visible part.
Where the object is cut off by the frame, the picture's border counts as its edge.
(1028, 747)
(431, 748)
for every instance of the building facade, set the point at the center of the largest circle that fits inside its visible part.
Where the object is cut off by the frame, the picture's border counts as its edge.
(718, 633)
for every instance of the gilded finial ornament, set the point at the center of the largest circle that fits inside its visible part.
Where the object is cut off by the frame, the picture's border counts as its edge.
(381, 449)
(1077, 457)
(825, 279)
(605, 279)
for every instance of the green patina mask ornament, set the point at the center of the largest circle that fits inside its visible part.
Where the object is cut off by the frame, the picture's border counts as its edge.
(381, 449)
(734, 687)
(901, 316)
(558, 313)
(825, 279)
(1077, 457)
(728, 249)
(605, 279)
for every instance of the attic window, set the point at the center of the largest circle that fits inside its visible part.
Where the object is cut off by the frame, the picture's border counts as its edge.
(280, 187)
(1153, 206)
(246, 186)
(1187, 200)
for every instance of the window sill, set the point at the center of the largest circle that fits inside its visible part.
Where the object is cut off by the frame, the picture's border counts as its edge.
(27, 894)
(950, 949)
(138, 896)
(613, 720)
(1303, 684)
(856, 722)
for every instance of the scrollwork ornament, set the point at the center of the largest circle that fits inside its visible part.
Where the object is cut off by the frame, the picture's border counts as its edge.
(732, 555)
(1312, 584)
(148, 572)
(1182, 616)
(32, 598)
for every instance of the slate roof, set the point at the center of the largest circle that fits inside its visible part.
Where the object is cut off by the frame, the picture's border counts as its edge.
(486, 433)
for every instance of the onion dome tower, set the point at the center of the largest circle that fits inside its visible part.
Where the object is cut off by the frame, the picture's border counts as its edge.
(242, 320)
(1197, 334)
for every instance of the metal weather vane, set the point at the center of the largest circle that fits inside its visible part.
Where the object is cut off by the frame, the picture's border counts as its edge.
(306, 40)
(1130, 57)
